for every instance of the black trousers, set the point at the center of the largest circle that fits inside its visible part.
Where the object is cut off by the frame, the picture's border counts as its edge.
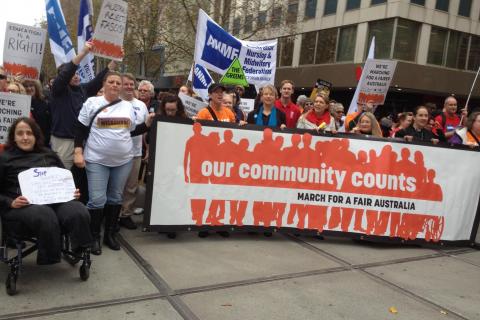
(47, 222)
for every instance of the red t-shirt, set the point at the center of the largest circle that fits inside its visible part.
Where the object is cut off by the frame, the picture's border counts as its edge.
(451, 123)
(292, 113)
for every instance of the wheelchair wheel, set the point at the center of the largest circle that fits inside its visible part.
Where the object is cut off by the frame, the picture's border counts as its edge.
(84, 271)
(11, 284)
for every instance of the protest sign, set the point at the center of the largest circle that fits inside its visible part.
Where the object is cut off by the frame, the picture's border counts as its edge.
(110, 29)
(23, 50)
(215, 49)
(12, 106)
(321, 87)
(192, 105)
(47, 185)
(375, 81)
(201, 81)
(222, 176)
(234, 75)
(247, 105)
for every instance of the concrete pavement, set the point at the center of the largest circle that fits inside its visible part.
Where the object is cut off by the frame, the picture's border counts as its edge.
(252, 277)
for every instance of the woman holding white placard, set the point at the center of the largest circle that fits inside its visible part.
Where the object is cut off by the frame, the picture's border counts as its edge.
(25, 150)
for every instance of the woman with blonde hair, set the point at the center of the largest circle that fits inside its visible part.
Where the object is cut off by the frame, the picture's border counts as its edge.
(266, 114)
(318, 118)
(368, 125)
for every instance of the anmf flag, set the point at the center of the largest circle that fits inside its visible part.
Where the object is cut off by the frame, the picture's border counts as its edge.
(84, 34)
(215, 49)
(60, 42)
(201, 81)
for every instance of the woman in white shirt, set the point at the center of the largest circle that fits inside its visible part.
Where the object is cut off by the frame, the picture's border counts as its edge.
(105, 150)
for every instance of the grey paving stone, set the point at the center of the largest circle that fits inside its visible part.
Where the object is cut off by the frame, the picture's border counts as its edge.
(339, 295)
(189, 261)
(366, 252)
(473, 257)
(151, 309)
(113, 276)
(445, 281)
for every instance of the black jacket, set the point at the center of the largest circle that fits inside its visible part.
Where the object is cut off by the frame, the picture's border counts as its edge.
(66, 100)
(14, 161)
(41, 113)
(422, 135)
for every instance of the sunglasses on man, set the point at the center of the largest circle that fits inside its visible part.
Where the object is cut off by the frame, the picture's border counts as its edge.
(3, 77)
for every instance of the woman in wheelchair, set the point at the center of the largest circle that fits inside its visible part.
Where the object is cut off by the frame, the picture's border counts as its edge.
(24, 150)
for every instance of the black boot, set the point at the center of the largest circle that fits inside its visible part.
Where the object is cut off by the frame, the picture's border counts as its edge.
(96, 218)
(111, 219)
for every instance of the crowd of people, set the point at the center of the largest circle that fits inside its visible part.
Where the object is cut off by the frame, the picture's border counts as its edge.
(102, 127)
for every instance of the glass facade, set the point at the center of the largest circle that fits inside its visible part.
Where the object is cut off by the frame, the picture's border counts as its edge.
(383, 32)
(442, 5)
(285, 52)
(330, 7)
(464, 8)
(353, 4)
(310, 9)
(457, 50)
(307, 50)
(436, 47)
(346, 43)
(406, 40)
(326, 45)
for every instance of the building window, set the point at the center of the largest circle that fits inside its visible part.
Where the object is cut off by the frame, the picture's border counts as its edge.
(330, 7)
(346, 43)
(374, 2)
(419, 2)
(310, 9)
(236, 26)
(442, 5)
(406, 40)
(292, 12)
(247, 27)
(464, 8)
(286, 51)
(457, 50)
(436, 48)
(353, 4)
(326, 45)
(261, 19)
(474, 55)
(276, 16)
(383, 32)
(307, 50)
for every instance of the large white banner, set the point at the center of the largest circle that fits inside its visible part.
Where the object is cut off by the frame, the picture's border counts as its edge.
(12, 106)
(23, 50)
(216, 176)
(215, 49)
(110, 29)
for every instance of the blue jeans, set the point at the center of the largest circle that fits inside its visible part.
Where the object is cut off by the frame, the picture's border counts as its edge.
(106, 184)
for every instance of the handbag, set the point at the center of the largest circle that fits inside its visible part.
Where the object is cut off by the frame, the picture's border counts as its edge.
(80, 174)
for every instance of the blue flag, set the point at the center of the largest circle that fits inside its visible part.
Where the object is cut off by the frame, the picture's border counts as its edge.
(60, 42)
(201, 81)
(84, 34)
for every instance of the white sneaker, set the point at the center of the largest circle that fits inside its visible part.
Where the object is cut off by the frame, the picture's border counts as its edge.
(138, 211)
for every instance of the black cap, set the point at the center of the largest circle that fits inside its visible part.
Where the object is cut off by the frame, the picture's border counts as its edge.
(215, 86)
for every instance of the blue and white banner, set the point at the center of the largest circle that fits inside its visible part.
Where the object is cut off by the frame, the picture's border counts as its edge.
(84, 34)
(215, 49)
(60, 42)
(201, 81)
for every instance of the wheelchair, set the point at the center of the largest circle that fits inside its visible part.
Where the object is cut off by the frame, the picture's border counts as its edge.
(18, 244)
